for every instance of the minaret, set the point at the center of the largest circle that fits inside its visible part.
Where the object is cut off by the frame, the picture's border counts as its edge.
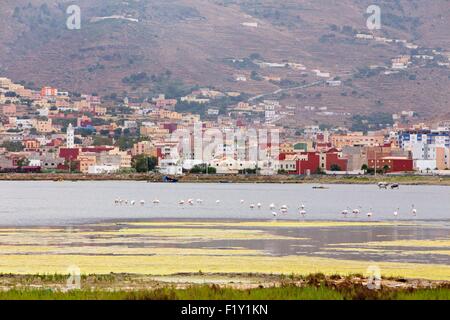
(70, 136)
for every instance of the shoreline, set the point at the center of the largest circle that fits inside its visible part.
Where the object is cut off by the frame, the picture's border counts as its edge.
(92, 222)
(283, 223)
(219, 286)
(191, 178)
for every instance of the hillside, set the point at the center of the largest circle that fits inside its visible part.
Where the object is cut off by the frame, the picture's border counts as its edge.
(142, 46)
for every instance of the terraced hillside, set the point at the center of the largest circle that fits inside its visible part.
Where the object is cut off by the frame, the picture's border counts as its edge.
(143, 46)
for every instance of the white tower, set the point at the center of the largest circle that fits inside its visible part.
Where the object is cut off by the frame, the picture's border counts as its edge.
(70, 136)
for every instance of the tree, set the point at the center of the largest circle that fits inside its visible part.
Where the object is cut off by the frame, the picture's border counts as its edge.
(104, 132)
(23, 162)
(335, 167)
(319, 170)
(255, 76)
(255, 56)
(72, 165)
(13, 146)
(203, 169)
(386, 168)
(102, 141)
(248, 171)
(142, 163)
(125, 143)
(152, 163)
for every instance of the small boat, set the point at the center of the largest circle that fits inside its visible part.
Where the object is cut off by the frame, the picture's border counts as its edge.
(320, 187)
(383, 185)
(169, 179)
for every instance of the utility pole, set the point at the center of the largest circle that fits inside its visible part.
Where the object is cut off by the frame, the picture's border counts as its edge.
(375, 163)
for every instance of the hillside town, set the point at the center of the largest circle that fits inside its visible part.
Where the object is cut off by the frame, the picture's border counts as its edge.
(53, 131)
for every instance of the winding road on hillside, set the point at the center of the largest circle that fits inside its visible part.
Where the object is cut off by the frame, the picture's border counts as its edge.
(286, 89)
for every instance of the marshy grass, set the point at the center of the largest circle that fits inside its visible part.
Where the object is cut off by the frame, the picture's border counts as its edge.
(203, 292)
(316, 286)
(425, 294)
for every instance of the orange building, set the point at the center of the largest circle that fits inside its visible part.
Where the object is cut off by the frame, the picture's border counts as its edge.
(31, 144)
(442, 158)
(86, 160)
(356, 139)
(100, 111)
(44, 126)
(49, 92)
(9, 110)
(143, 147)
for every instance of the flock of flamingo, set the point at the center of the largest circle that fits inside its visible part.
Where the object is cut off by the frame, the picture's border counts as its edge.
(369, 214)
(283, 210)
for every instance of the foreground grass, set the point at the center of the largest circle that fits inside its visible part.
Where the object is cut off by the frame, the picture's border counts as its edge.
(192, 293)
(316, 286)
(212, 293)
(216, 293)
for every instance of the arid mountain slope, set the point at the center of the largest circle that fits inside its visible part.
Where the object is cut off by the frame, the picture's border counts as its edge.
(194, 40)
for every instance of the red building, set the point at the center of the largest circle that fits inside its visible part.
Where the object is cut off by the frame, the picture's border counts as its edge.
(69, 154)
(394, 164)
(97, 149)
(322, 146)
(333, 160)
(84, 122)
(170, 126)
(309, 163)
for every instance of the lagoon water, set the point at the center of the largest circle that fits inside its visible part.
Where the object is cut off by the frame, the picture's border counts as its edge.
(47, 203)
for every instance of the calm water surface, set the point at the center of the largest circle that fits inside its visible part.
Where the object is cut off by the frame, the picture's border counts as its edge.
(64, 203)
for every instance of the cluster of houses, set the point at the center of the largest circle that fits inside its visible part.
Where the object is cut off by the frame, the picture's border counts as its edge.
(420, 55)
(49, 130)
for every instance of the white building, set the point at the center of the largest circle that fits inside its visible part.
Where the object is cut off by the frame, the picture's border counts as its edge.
(103, 169)
(188, 164)
(130, 124)
(35, 163)
(426, 148)
(334, 83)
(70, 136)
(365, 36)
(425, 165)
(250, 24)
(22, 123)
(170, 167)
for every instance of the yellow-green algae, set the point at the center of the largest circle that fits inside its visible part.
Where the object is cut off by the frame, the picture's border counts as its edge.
(439, 243)
(123, 250)
(272, 224)
(193, 233)
(172, 264)
(31, 251)
(391, 251)
(135, 236)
